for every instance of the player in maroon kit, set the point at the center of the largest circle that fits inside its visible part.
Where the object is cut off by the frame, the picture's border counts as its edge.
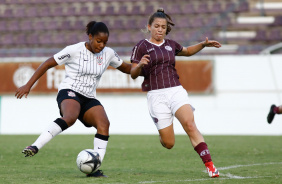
(273, 111)
(154, 58)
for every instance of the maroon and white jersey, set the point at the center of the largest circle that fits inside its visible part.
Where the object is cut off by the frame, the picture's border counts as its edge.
(160, 72)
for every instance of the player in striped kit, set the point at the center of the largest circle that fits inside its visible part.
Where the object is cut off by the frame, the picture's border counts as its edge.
(154, 58)
(85, 62)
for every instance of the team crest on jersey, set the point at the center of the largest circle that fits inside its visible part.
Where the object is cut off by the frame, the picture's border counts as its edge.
(168, 48)
(71, 94)
(99, 60)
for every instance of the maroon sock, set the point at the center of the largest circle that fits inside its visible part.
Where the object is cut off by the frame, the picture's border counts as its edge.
(203, 151)
(276, 110)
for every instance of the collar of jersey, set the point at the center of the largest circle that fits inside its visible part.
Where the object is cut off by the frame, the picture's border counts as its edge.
(154, 43)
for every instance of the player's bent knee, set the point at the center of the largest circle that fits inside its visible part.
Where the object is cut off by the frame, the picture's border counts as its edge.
(168, 144)
(103, 127)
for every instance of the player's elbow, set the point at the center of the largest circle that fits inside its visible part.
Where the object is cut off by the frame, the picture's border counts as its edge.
(133, 76)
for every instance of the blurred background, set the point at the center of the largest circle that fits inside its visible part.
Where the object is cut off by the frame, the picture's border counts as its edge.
(231, 88)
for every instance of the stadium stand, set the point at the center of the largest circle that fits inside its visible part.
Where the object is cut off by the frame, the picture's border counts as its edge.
(33, 27)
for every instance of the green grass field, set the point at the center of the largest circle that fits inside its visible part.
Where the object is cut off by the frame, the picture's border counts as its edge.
(141, 159)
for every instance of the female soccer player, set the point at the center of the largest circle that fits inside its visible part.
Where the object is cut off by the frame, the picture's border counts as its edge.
(85, 62)
(154, 58)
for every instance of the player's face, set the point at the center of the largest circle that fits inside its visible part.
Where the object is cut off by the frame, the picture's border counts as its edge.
(98, 42)
(158, 29)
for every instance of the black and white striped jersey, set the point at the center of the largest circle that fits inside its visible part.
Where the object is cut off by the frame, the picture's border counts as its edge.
(84, 68)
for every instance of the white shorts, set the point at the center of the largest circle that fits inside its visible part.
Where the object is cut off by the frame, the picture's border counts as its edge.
(163, 103)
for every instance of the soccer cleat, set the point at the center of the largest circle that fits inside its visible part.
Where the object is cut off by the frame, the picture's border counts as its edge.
(271, 114)
(98, 173)
(30, 151)
(213, 172)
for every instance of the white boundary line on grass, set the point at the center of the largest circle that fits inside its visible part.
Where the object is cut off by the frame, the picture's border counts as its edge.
(228, 175)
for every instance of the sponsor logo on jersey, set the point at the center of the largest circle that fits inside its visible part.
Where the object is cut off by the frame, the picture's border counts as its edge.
(71, 94)
(204, 152)
(133, 55)
(150, 50)
(117, 56)
(63, 56)
(168, 48)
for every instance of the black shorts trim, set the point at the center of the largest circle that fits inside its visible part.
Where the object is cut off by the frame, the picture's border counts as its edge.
(85, 103)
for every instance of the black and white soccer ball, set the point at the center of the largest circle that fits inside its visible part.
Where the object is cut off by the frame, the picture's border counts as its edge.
(88, 161)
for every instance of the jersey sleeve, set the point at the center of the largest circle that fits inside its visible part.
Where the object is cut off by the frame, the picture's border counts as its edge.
(178, 48)
(116, 61)
(137, 54)
(64, 55)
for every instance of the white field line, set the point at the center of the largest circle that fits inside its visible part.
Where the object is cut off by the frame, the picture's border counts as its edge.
(228, 175)
(249, 165)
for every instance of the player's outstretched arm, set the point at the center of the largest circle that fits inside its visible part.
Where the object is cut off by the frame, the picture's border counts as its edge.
(24, 90)
(191, 50)
(125, 67)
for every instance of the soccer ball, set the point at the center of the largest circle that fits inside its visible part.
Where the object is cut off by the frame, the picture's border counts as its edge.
(88, 161)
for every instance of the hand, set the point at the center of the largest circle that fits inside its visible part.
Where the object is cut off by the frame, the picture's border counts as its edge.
(211, 43)
(20, 92)
(144, 61)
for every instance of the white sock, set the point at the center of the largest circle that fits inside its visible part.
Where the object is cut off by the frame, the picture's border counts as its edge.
(52, 130)
(100, 147)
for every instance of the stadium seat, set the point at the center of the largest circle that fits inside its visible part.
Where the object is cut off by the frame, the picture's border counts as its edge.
(8, 13)
(136, 10)
(3, 26)
(149, 9)
(51, 25)
(45, 39)
(70, 11)
(20, 39)
(203, 8)
(26, 25)
(131, 23)
(31, 12)
(19, 12)
(109, 10)
(260, 36)
(32, 39)
(242, 7)
(83, 11)
(59, 38)
(123, 10)
(79, 25)
(7, 39)
(57, 11)
(197, 22)
(13, 26)
(275, 35)
(96, 10)
(216, 7)
(277, 21)
(118, 24)
(174, 9)
(188, 8)
(39, 25)
(45, 12)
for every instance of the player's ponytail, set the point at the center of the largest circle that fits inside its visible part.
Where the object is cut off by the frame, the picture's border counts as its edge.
(161, 14)
(94, 28)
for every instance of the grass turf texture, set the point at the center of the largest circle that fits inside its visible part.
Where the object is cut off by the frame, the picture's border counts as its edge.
(142, 159)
